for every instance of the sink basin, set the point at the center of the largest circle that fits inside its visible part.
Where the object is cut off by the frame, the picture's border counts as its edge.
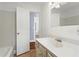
(57, 43)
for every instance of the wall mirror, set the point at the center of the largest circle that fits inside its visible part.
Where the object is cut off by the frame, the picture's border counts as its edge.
(68, 14)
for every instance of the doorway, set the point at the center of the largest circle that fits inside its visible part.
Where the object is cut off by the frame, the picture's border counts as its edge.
(34, 28)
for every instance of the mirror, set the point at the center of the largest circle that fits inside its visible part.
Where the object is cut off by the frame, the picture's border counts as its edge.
(68, 14)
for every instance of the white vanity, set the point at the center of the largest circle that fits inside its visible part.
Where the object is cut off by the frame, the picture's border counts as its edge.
(47, 48)
(70, 43)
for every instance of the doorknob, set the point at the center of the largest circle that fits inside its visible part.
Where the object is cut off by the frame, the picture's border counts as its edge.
(18, 33)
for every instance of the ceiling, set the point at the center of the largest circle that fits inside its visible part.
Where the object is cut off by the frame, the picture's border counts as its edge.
(11, 6)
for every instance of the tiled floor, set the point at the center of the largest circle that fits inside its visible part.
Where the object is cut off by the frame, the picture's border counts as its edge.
(31, 53)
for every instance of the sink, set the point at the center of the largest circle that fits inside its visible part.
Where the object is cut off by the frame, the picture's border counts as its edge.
(57, 43)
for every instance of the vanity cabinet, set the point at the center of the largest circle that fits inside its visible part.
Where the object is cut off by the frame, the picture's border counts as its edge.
(49, 54)
(41, 51)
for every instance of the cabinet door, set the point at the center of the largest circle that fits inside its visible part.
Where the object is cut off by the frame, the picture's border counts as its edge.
(40, 50)
(49, 54)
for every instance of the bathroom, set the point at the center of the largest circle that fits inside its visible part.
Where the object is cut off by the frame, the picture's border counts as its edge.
(39, 29)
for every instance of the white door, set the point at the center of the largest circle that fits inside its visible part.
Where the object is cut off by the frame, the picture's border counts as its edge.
(23, 39)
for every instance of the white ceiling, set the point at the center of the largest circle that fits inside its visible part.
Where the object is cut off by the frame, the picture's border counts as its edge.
(11, 6)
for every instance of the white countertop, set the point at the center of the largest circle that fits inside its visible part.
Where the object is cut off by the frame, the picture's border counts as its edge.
(68, 49)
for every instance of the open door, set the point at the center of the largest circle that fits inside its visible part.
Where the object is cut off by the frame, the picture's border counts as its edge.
(23, 39)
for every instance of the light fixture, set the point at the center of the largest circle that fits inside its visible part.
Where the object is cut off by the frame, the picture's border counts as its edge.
(56, 4)
(50, 3)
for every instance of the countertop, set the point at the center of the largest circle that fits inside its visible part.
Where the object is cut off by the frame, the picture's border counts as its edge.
(67, 50)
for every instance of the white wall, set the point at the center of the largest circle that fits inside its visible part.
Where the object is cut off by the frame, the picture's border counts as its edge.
(7, 28)
(45, 20)
(31, 7)
(48, 20)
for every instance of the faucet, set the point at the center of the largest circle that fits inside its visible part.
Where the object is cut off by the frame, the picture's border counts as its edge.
(58, 40)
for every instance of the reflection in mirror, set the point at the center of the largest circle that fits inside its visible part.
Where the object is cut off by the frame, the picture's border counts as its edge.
(68, 14)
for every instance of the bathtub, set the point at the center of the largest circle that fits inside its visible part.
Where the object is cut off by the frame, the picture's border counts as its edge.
(6, 51)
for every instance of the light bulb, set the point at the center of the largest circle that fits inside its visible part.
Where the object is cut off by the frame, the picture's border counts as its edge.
(57, 6)
(50, 3)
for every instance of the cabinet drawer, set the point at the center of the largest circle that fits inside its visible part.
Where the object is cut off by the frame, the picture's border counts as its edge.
(42, 51)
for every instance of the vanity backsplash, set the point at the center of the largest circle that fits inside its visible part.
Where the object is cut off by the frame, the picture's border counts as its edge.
(67, 33)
